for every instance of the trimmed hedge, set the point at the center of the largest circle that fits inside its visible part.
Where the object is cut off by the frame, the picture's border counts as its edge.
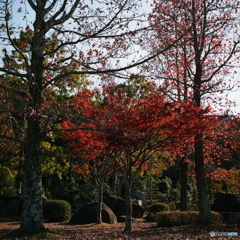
(3, 208)
(57, 211)
(158, 207)
(178, 218)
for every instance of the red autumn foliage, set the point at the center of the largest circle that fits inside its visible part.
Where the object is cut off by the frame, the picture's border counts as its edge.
(220, 143)
(131, 129)
(137, 125)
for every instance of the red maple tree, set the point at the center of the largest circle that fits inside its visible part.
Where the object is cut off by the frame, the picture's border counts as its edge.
(130, 130)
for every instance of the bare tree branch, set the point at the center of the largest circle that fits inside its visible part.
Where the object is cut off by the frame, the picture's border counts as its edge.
(223, 64)
(85, 37)
(16, 48)
(53, 21)
(90, 70)
(13, 73)
(33, 6)
(50, 7)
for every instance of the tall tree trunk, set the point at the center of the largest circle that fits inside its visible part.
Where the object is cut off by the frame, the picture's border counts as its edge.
(205, 215)
(100, 200)
(184, 185)
(151, 189)
(128, 222)
(32, 217)
(114, 183)
(203, 197)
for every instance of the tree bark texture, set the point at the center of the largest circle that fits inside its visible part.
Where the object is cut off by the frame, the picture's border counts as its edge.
(128, 222)
(32, 217)
(100, 200)
(205, 215)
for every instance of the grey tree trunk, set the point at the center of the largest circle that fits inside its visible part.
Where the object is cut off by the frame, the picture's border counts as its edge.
(100, 200)
(205, 215)
(128, 222)
(203, 196)
(151, 189)
(32, 217)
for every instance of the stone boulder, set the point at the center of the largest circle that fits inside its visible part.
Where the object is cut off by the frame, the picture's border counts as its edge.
(88, 214)
(225, 202)
(139, 196)
(118, 206)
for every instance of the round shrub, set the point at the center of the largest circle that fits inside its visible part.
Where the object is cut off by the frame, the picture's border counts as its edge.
(165, 185)
(2, 208)
(158, 207)
(57, 211)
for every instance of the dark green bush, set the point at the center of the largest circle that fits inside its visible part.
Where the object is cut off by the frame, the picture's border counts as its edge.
(2, 208)
(57, 211)
(76, 194)
(158, 207)
(165, 185)
(178, 218)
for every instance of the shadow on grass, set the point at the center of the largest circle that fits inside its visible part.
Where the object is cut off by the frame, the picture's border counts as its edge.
(32, 234)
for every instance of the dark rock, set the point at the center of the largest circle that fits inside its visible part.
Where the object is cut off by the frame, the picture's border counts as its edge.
(118, 206)
(137, 211)
(140, 196)
(111, 201)
(88, 214)
(138, 202)
(225, 202)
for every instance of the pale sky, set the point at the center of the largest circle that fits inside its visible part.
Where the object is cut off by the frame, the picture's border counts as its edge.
(19, 19)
